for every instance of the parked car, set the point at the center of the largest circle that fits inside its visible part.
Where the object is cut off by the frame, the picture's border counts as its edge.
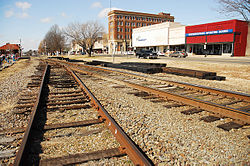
(178, 54)
(129, 53)
(159, 53)
(146, 54)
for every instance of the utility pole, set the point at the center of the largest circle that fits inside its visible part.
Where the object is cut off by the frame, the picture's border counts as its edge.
(112, 43)
(20, 48)
(45, 47)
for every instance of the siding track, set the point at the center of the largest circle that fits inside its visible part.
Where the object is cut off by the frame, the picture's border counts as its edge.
(217, 101)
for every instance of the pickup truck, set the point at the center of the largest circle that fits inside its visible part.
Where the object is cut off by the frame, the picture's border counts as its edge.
(146, 54)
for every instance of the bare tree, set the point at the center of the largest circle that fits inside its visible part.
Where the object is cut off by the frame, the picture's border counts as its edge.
(235, 7)
(85, 35)
(41, 47)
(54, 39)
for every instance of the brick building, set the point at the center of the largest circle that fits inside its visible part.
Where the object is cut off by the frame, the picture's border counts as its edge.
(10, 48)
(121, 24)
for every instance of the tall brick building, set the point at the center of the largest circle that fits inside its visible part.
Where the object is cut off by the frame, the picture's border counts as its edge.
(121, 24)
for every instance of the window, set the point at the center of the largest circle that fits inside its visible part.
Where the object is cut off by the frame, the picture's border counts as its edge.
(119, 36)
(119, 17)
(119, 29)
(121, 23)
(111, 23)
(227, 48)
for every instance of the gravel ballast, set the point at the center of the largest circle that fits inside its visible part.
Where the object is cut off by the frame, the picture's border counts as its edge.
(169, 137)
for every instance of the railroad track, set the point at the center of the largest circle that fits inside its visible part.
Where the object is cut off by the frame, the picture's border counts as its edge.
(219, 102)
(68, 125)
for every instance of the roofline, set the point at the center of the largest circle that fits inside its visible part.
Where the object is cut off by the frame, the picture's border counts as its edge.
(217, 22)
(139, 13)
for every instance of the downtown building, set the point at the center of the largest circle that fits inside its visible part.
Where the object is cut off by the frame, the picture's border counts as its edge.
(122, 23)
(225, 38)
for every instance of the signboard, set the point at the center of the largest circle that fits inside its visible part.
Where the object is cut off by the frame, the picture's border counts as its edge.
(218, 32)
(150, 37)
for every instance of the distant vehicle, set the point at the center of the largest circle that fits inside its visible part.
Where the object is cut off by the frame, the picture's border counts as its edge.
(146, 54)
(178, 54)
(130, 53)
(159, 53)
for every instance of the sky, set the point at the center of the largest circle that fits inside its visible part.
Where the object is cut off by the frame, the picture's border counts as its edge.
(30, 20)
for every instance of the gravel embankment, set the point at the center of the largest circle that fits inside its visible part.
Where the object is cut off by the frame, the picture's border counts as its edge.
(13, 83)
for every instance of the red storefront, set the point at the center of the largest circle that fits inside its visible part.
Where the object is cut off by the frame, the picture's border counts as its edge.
(219, 38)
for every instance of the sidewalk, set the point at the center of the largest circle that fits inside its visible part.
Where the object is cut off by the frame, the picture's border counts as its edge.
(220, 57)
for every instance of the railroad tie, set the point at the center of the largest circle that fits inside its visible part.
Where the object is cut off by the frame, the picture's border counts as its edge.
(210, 118)
(191, 111)
(229, 126)
(58, 108)
(80, 158)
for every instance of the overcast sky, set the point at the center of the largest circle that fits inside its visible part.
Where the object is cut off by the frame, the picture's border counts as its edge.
(31, 19)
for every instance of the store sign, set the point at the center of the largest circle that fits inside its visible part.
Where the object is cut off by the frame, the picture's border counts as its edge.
(209, 33)
(140, 39)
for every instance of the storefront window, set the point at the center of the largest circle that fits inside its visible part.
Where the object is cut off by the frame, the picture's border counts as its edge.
(227, 48)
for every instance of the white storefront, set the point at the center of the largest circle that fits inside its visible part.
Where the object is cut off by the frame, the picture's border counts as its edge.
(159, 37)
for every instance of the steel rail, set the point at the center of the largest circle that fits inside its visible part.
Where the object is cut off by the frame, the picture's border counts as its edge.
(208, 106)
(21, 157)
(237, 95)
(128, 146)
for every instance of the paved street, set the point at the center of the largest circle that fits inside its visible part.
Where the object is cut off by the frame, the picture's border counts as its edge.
(214, 59)
(197, 58)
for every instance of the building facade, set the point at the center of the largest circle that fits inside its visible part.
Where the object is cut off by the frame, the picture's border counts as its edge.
(10, 49)
(100, 46)
(121, 24)
(160, 37)
(226, 38)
